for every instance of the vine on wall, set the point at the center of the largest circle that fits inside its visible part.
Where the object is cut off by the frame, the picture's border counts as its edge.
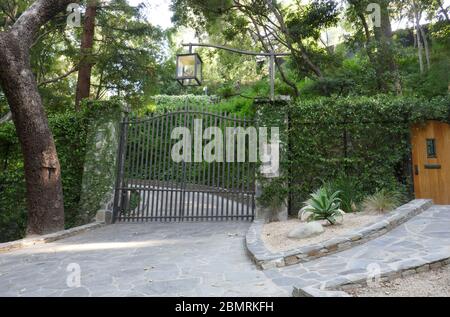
(70, 130)
(367, 138)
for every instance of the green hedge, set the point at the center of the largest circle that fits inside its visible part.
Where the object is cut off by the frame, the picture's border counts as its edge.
(70, 130)
(233, 105)
(366, 138)
(168, 102)
(12, 186)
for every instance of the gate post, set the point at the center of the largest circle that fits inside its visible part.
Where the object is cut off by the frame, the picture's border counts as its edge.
(100, 169)
(270, 113)
(118, 197)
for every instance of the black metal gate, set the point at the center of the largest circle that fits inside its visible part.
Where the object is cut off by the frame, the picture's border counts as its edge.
(151, 186)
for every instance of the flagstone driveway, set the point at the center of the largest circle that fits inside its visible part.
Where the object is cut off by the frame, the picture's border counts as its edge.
(202, 259)
(150, 259)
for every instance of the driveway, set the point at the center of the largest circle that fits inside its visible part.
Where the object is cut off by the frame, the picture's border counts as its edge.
(423, 239)
(140, 259)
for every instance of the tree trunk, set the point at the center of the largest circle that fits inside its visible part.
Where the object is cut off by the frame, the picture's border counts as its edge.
(419, 41)
(42, 170)
(87, 41)
(419, 51)
(370, 55)
(426, 46)
(383, 36)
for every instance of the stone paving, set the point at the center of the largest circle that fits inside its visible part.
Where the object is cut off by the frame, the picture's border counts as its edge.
(141, 259)
(203, 259)
(266, 259)
(425, 238)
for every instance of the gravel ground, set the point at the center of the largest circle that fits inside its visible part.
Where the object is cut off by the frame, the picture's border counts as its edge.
(434, 283)
(275, 238)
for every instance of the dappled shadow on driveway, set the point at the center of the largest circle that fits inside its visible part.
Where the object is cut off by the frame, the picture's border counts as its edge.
(140, 259)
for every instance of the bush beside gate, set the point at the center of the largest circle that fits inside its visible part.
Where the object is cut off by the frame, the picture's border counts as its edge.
(365, 138)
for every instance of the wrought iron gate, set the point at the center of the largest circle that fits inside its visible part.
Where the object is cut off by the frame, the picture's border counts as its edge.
(151, 186)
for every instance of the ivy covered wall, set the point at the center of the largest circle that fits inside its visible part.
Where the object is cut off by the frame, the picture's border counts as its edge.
(99, 173)
(69, 130)
(77, 141)
(365, 138)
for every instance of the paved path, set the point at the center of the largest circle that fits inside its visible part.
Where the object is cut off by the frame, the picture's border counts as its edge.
(424, 237)
(202, 259)
(144, 259)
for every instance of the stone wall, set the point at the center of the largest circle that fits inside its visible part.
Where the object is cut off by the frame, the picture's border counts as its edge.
(266, 259)
(99, 173)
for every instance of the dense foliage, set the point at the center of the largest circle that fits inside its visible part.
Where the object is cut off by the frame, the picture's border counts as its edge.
(335, 50)
(341, 131)
(365, 138)
(70, 130)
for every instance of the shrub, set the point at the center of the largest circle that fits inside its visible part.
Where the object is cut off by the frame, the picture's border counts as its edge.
(351, 193)
(365, 138)
(166, 102)
(323, 205)
(382, 201)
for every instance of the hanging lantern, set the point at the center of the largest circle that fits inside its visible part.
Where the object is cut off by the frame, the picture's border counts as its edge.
(189, 69)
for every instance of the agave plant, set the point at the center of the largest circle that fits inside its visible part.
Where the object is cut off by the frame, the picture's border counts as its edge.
(323, 206)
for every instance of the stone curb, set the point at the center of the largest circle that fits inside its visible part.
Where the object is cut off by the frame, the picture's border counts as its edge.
(266, 259)
(27, 242)
(337, 287)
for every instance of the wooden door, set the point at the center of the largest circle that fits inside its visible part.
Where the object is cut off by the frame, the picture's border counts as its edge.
(431, 161)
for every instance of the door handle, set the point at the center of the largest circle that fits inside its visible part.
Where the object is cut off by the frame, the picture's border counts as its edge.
(416, 169)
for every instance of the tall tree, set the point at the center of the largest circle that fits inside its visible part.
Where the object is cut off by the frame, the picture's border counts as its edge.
(295, 28)
(42, 170)
(87, 41)
(379, 44)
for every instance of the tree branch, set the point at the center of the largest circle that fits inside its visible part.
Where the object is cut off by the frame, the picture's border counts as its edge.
(45, 82)
(39, 13)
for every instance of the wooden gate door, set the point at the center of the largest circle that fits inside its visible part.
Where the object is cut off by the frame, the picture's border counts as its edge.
(431, 161)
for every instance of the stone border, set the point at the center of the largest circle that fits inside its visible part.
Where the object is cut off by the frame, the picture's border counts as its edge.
(337, 287)
(266, 259)
(27, 242)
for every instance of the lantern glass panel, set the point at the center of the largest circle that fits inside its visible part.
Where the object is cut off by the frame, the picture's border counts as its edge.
(186, 66)
(189, 69)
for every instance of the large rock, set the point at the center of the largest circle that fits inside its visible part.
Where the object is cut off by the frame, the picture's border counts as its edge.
(306, 230)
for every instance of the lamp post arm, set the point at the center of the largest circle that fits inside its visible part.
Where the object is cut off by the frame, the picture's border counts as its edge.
(235, 50)
(271, 56)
